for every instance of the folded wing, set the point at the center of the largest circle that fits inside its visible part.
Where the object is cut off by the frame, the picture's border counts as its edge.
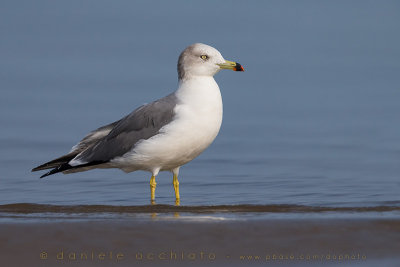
(114, 140)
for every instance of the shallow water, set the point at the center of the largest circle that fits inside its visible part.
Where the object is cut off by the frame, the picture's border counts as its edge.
(36, 213)
(313, 121)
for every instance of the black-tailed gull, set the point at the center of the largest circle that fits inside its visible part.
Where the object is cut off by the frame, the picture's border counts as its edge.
(162, 135)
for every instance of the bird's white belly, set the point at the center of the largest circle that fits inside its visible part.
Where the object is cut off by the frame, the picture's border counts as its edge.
(193, 129)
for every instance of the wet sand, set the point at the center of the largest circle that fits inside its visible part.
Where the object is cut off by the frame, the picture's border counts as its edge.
(198, 239)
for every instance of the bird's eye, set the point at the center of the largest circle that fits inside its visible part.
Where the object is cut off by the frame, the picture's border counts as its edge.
(204, 57)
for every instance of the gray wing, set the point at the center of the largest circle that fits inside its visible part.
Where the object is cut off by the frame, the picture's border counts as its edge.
(90, 139)
(142, 123)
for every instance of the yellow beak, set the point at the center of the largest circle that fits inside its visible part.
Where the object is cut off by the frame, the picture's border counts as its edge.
(230, 65)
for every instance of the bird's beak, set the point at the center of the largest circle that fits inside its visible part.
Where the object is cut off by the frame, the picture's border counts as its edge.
(230, 65)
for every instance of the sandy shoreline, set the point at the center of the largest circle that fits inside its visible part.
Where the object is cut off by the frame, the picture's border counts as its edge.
(218, 243)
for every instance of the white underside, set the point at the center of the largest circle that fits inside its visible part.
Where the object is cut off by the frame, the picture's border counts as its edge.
(196, 124)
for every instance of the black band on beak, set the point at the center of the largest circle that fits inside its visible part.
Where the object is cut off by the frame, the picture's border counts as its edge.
(238, 67)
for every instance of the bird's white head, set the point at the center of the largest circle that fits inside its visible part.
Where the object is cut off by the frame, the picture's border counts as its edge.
(203, 60)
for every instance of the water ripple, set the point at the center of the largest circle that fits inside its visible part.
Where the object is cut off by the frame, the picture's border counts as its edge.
(27, 208)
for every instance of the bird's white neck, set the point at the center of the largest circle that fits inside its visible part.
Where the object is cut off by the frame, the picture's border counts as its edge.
(201, 100)
(203, 90)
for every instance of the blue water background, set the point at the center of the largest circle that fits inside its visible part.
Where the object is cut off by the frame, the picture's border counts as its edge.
(314, 119)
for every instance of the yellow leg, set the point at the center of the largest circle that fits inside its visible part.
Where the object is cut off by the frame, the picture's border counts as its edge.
(175, 182)
(153, 188)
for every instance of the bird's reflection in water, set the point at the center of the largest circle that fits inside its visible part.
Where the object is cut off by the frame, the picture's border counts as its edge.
(177, 203)
(155, 214)
(154, 204)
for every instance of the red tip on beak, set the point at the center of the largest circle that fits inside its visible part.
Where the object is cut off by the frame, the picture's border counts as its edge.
(238, 67)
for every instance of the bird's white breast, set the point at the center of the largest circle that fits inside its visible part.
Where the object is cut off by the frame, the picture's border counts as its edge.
(197, 120)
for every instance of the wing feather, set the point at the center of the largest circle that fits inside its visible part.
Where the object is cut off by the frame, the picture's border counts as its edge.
(142, 123)
(115, 139)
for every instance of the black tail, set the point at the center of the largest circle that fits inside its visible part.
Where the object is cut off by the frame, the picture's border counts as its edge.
(60, 168)
(66, 166)
(56, 162)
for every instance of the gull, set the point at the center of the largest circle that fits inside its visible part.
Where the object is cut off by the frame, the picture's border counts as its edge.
(162, 135)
